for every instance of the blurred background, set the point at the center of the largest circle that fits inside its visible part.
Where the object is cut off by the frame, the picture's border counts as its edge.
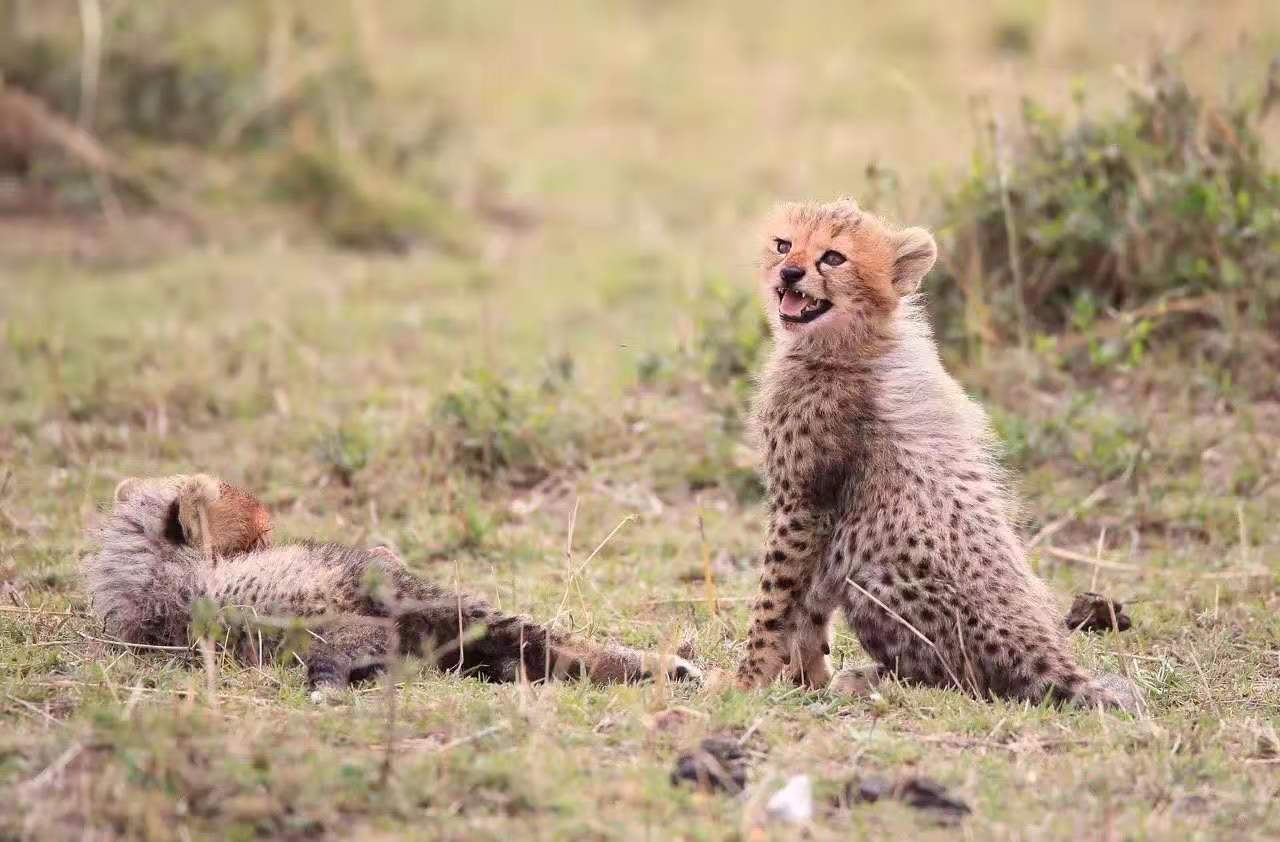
(584, 151)
(463, 276)
(375, 196)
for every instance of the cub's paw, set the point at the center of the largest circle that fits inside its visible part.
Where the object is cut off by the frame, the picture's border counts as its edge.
(621, 665)
(1113, 692)
(856, 681)
(673, 666)
(813, 675)
(327, 694)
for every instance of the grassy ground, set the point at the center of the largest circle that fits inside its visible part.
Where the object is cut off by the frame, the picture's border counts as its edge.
(502, 414)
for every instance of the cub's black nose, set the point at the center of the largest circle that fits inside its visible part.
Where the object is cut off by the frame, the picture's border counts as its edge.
(791, 274)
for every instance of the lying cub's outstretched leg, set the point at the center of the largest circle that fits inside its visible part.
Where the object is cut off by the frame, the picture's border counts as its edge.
(494, 646)
(462, 632)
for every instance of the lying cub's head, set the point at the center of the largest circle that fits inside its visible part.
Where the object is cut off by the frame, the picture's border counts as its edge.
(197, 510)
(833, 267)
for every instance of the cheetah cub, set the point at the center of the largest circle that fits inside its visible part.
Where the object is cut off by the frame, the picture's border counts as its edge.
(884, 496)
(168, 542)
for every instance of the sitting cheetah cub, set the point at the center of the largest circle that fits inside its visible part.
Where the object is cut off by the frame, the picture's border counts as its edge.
(168, 542)
(884, 497)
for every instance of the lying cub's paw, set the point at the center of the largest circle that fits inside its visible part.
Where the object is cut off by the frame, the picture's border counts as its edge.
(675, 667)
(1114, 692)
(327, 694)
(629, 665)
(856, 681)
(716, 681)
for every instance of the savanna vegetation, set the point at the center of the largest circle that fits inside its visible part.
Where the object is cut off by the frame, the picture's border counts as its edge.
(474, 280)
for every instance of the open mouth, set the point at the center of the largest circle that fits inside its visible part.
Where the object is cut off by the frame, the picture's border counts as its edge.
(798, 308)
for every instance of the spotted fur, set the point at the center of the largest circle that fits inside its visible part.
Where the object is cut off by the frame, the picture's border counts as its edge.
(169, 542)
(885, 500)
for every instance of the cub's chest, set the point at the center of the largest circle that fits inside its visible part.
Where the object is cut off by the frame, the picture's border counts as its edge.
(811, 443)
(812, 413)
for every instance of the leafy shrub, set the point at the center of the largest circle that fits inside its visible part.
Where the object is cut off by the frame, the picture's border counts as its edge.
(346, 451)
(236, 81)
(731, 333)
(494, 427)
(732, 336)
(358, 205)
(1171, 197)
(160, 77)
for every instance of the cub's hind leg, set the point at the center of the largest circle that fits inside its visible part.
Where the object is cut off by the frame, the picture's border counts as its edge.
(622, 664)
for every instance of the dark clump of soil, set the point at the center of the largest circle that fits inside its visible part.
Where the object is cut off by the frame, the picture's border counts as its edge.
(1096, 613)
(916, 792)
(719, 763)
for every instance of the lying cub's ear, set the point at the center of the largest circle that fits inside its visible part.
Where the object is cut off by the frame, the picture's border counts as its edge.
(126, 488)
(196, 495)
(915, 257)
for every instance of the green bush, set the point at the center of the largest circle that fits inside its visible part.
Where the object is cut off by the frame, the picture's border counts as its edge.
(160, 77)
(359, 205)
(1170, 197)
(731, 341)
(291, 103)
(347, 450)
(493, 427)
(732, 332)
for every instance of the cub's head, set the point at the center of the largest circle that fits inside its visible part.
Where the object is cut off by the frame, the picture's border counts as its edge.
(834, 269)
(195, 510)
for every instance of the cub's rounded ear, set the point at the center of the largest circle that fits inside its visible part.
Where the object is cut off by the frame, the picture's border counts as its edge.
(126, 488)
(915, 257)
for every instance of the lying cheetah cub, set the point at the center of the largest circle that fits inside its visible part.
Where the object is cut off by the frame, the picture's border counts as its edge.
(168, 542)
(884, 498)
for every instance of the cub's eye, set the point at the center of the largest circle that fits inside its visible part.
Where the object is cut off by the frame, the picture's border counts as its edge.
(832, 258)
(782, 245)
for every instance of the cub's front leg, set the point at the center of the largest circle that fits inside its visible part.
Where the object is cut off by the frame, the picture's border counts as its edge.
(787, 635)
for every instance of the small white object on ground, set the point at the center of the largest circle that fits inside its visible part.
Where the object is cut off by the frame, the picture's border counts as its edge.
(326, 696)
(793, 803)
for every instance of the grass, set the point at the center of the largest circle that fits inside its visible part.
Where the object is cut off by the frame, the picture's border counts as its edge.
(483, 408)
